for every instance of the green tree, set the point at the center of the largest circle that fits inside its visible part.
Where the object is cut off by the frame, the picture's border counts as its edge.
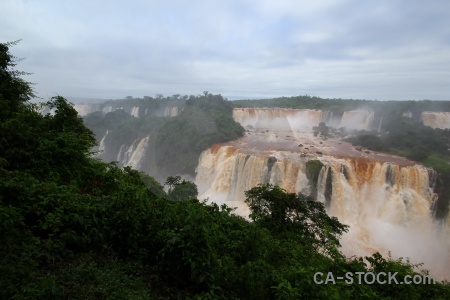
(181, 189)
(322, 129)
(172, 181)
(14, 91)
(275, 209)
(40, 144)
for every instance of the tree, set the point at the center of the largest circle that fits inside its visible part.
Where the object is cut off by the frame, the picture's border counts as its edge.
(323, 129)
(181, 189)
(419, 153)
(274, 208)
(14, 91)
(57, 141)
(172, 181)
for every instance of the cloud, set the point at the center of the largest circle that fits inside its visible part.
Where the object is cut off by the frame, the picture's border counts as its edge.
(242, 49)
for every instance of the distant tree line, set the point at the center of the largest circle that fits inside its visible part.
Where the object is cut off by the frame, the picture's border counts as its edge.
(341, 105)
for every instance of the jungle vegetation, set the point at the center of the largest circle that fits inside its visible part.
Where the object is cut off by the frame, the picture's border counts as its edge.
(175, 143)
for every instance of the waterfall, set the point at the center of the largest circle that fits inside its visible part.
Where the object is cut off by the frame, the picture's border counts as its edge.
(280, 118)
(388, 206)
(357, 119)
(101, 146)
(134, 111)
(171, 111)
(300, 119)
(436, 119)
(134, 155)
(400, 193)
(84, 109)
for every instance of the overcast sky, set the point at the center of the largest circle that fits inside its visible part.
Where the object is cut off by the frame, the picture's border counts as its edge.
(385, 50)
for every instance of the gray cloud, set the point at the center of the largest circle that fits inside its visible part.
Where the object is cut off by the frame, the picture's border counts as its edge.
(241, 49)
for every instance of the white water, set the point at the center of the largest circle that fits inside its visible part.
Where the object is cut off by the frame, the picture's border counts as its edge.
(134, 155)
(135, 111)
(386, 200)
(84, 109)
(171, 111)
(436, 119)
(102, 142)
(357, 119)
(300, 119)
(280, 118)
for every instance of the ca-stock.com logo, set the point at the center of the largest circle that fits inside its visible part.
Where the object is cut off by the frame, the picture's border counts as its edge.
(371, 278)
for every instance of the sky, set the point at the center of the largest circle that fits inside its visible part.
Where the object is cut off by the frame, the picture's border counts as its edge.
(242, 49)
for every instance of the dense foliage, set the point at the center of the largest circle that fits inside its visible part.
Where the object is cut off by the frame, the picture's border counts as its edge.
(413, 139)
(175, 143)
(181, 189)
(73, 227)
(295, 215)
(205, 120)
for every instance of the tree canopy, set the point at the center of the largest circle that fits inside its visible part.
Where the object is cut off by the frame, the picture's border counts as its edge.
(298, 214)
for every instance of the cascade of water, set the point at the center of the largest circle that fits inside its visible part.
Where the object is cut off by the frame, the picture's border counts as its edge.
(120, 155)
(135, 153)
(384, 203)
(357, 119)
(134, 111)
(84, 109)
(107, 109)
(138, 155)
(102, 142)
(436, 119)
(299, 119)
(170, 111)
